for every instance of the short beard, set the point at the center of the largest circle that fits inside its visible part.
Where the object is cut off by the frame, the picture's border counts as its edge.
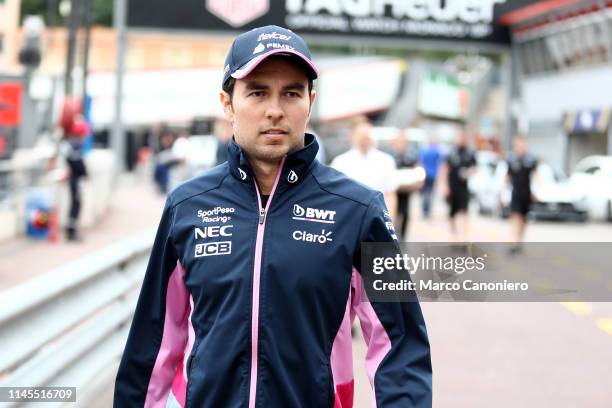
(265, 154)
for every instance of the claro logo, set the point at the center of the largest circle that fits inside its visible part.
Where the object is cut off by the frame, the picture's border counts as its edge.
(213, 232)
(322, 238)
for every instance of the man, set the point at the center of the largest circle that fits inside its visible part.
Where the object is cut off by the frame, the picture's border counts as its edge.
(405, 158)
(78, 170)
(521, 168)
(429, 157)
(254, 277)
(457, 169)
(368, 165)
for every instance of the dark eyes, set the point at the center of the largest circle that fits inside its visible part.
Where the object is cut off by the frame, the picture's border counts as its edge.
(290, 94)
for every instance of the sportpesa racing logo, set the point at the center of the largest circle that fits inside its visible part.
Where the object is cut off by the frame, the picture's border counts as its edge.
(313, 214)
(217, 214)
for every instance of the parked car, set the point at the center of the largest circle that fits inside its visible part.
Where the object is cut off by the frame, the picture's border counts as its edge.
(593, 177)
(556, 198)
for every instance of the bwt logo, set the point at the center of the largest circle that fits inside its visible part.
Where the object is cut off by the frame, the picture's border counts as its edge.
(213, 248)
(313, 214)
(213, 232)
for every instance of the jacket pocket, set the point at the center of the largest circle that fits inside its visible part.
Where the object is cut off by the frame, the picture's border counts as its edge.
(190, 362)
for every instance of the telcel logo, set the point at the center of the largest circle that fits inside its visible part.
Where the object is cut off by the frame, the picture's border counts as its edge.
(305, 236)
(313, 214)
(214, 231)
(273, 35)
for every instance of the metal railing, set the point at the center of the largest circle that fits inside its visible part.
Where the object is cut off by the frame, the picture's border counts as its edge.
(66, 326)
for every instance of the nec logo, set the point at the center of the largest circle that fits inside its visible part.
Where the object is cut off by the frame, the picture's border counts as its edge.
(313, 214)
(213, 232)
(213, 248)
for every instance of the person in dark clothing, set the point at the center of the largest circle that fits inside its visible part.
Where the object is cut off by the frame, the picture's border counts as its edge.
(76, 164)
(223, 133)
(164, 160)
(458, 166)
(405, 157)
(521, 169)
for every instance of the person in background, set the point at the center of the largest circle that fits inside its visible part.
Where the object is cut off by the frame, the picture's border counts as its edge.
(78, 170)
(405, 157)
(223, 132)
(368, 165)
(430, 157)
(521, 169)
(164, 160)
(457, 169)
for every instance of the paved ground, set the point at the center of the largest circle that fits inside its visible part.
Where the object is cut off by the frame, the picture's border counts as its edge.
(484, 354)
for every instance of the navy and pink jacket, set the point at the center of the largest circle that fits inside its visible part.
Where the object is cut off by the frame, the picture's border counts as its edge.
(245, 305)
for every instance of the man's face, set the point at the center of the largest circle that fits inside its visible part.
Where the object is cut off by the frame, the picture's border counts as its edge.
(270, 109)
(462, 139)
(520, 146)
(362, 137)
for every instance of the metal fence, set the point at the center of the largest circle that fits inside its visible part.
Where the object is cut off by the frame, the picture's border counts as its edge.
(67, 326)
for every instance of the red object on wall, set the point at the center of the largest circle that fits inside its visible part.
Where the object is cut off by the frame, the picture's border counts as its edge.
(10, 104)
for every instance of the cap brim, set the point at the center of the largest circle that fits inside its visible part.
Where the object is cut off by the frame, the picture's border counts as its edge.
(247, 68)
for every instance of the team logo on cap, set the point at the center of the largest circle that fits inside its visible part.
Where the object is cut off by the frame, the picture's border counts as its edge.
(260, 47)
(238, 12)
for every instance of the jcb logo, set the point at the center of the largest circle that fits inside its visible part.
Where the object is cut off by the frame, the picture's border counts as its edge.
(213, 232)
(213, 248)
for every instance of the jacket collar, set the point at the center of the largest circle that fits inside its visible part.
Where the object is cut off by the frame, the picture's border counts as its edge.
(296, 165)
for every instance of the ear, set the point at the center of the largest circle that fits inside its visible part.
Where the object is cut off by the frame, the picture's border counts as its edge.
(226, 103)
(313, 98)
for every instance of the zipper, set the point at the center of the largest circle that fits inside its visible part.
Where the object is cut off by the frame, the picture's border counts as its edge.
(261, 226)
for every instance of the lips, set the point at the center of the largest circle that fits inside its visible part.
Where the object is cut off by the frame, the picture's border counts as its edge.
(274, 132)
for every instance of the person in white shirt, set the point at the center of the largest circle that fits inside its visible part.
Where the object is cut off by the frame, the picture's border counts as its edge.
(368, 165)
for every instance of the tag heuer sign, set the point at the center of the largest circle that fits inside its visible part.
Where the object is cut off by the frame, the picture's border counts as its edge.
(238, 12)
(466, 20)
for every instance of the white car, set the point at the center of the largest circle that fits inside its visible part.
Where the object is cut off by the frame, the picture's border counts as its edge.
(593, 177)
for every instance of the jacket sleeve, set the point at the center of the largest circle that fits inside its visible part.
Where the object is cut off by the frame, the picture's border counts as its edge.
(158, 333)
(398, 361)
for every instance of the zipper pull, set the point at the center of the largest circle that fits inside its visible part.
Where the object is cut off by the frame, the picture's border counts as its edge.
(262, 215)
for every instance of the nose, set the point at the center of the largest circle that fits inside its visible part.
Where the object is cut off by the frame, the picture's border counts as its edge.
(274, 110)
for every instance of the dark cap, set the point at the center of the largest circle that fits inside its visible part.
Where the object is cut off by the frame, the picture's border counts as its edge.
(249, 49)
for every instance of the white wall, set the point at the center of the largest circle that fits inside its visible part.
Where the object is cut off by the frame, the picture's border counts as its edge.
(546, 98)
